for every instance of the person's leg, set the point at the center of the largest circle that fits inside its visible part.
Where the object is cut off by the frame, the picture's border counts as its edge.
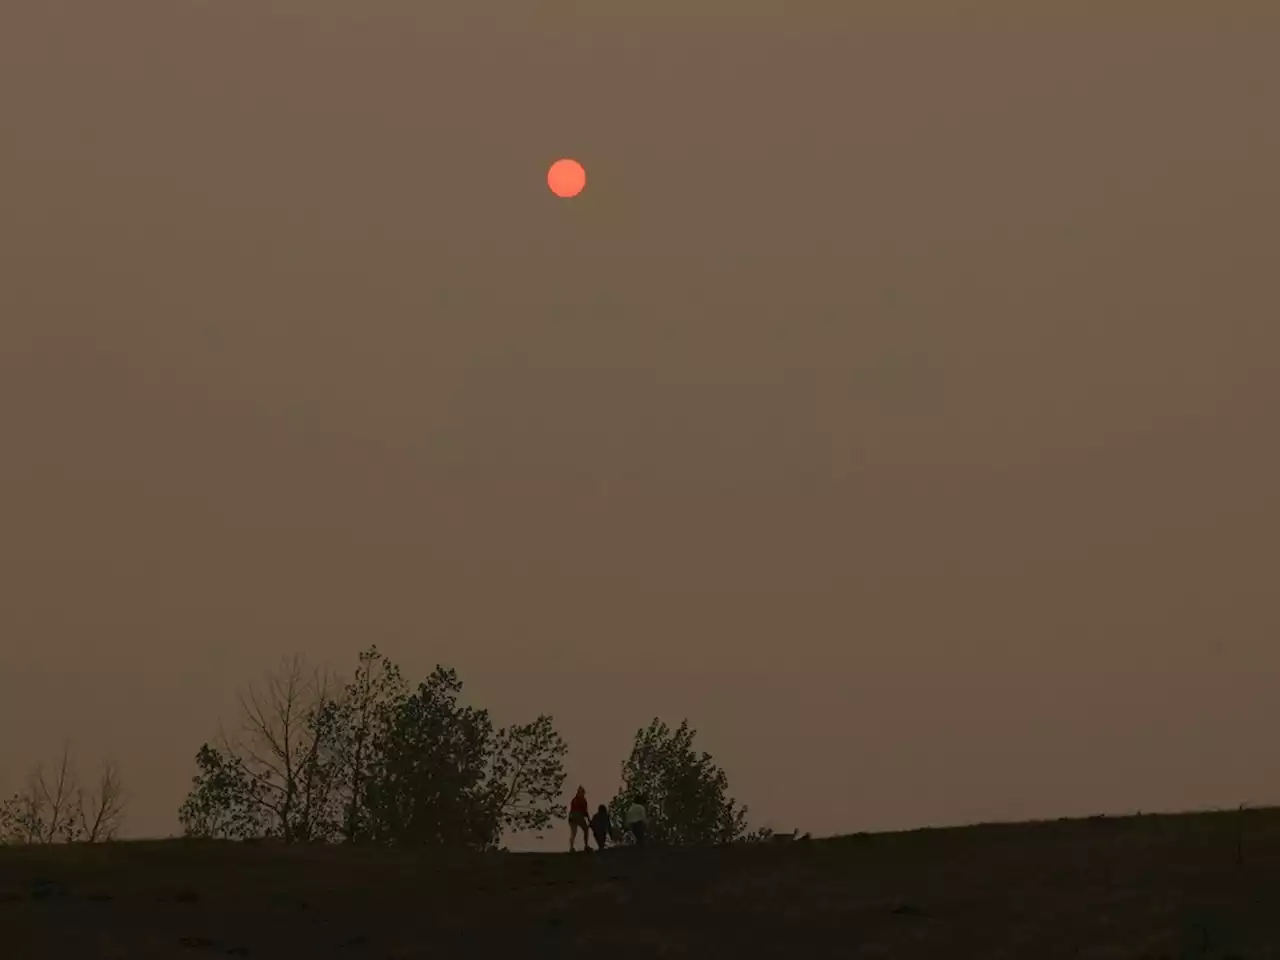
(638, 830)
(573, 833)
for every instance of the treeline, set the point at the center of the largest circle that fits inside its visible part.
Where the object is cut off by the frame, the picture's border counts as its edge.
(375, 760)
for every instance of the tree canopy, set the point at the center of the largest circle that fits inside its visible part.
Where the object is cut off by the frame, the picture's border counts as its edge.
(686, 792)
(373, 761)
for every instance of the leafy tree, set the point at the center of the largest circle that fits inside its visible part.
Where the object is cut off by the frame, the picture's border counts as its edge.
(686, 792)
(22, 818)
(428, 783)
(10, 832)
(363, 718)
(526, 776)
(225, 801)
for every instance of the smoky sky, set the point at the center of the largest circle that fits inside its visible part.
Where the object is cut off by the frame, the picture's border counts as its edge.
(898, 402)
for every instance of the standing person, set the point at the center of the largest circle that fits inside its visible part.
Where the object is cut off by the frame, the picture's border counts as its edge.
(638, 819)
(578, 810)
(601, 827)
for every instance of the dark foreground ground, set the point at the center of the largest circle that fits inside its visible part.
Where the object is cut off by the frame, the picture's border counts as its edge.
(1204, 885)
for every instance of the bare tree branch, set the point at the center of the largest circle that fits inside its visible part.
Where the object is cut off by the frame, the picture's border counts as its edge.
(281, 754)
(101, 811)
(53, 807)
(57, 798)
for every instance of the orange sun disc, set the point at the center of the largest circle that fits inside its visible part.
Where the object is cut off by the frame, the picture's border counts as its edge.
(566, 178)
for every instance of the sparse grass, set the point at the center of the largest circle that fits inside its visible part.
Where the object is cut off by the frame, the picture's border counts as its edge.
(1170, 887)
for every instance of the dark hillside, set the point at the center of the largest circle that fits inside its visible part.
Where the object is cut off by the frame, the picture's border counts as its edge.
(1200, 885)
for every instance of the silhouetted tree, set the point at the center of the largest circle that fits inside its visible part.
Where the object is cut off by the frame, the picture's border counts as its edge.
(20, 820)
(41, 812)
(275, 778)
(100, 810)
(375, 763)
(363, 717)
(686, 792)
(443, 775)
(526, 776)
(428, 778)
(225, 801)
(52, 807)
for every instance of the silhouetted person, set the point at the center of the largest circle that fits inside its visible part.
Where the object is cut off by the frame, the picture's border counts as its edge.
(601, 827)
(638, 819)
(578, 811)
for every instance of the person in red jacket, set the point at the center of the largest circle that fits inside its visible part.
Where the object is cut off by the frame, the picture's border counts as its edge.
(578, 812)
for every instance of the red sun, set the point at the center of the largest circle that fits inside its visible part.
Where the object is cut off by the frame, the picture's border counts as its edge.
(566, 178)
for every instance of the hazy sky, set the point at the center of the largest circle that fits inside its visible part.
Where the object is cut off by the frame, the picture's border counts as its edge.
(900, 402)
